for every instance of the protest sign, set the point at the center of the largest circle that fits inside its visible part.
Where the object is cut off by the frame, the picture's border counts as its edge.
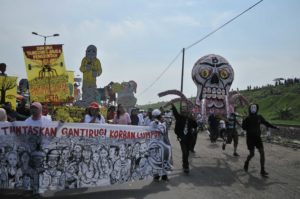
(60, 156)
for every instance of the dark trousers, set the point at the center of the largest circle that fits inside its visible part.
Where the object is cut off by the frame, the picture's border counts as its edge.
(194, 140)
(262, 157)
(232, 135)
(185, 145)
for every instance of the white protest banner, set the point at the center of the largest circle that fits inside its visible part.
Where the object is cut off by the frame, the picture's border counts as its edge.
(60, 156)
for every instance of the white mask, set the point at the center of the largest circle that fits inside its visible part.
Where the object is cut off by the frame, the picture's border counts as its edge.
(253, 108)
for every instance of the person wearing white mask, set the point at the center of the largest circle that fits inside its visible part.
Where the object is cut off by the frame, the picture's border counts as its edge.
(251, 124)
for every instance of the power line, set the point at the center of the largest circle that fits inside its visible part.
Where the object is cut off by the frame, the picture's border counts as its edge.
(195, 43)
(206, 36)
(163, 72)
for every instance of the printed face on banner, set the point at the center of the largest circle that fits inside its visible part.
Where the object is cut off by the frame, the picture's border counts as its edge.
(213, 76)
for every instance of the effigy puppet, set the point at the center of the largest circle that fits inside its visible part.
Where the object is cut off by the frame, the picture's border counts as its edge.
(126, 94)
(91, 69)
(213, 76)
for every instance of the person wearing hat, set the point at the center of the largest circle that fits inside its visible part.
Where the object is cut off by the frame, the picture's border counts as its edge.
(159, 123)
(94, 115)
(36, 117)
(184, 126)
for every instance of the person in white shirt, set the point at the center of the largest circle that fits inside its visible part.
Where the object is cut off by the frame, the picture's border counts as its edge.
(36, 117)
(159, 123)
(148, 119)
(3, 115)
(94, 115)
(45, 111)
(141, 118)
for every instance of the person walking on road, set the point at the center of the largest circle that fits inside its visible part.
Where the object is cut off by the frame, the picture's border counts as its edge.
(184, 126)
(159, 123)
(251, 124)
(231, 133)
(213, 128)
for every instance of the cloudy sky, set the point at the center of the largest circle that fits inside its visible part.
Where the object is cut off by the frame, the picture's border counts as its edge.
(138, 39)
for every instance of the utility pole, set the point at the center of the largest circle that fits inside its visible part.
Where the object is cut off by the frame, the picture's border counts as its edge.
(182, 74)
(182, 70)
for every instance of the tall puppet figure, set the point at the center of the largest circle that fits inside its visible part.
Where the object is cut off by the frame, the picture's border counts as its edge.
(91, 69)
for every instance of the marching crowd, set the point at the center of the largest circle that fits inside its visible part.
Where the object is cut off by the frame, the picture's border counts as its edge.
(186, 126)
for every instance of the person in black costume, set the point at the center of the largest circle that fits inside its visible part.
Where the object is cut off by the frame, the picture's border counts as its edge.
(251, 124)
(184, 126)
(213, 128)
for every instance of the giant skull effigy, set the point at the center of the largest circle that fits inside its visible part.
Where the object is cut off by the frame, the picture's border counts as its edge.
(213, 76)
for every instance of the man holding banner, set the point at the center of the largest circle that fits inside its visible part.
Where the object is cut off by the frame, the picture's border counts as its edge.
(36, 115)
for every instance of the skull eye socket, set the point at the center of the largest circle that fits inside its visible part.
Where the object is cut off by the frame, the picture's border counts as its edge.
(224, 74)
(204, 73)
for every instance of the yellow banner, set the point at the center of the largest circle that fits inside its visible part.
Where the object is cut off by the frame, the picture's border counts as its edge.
(46, 73)
(49, 89)
(8, 86)
(44, 61)
(73, 113)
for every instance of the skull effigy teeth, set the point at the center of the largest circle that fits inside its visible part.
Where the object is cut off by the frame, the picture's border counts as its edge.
(214, 90)
(208, 90)
(223, 92)
(213, 94)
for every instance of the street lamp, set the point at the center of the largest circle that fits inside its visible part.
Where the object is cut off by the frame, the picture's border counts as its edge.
(45, 37)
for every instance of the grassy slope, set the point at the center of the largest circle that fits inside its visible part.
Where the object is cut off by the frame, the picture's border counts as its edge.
(270, 99)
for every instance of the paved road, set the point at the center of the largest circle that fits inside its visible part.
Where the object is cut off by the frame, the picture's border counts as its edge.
(214, 174)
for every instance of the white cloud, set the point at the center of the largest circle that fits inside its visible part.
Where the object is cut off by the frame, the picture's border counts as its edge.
(89, 25)
(125, 27)
(182, 20)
